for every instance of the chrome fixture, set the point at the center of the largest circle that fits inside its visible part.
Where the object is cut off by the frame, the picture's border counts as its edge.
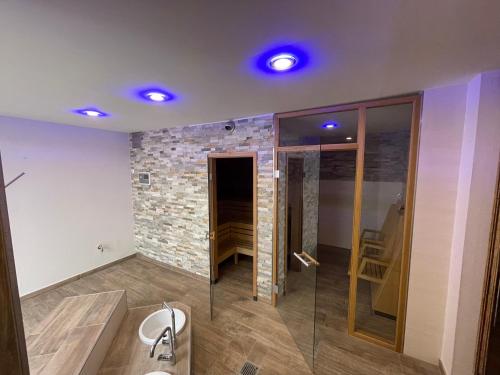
(170, 357)
(167, 337)
(172, 316)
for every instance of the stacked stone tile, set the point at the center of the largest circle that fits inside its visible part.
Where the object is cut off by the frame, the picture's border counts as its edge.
(171, 215)
(386, 159)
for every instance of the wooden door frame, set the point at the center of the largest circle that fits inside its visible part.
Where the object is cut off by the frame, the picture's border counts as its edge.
(416, 101)
(12, 340)
(489, 285)
(212, 157)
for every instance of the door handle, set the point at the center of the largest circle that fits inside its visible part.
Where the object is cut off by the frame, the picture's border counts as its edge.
(301, 259)
(212, 236)
(306, 259)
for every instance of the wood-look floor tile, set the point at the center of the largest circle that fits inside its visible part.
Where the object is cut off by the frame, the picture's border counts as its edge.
(203, 359)
(242, 329)
(412, 366)
(38, 363)
(218, 368)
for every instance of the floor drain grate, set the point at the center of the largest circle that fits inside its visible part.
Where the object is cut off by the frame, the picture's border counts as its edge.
(249, 369)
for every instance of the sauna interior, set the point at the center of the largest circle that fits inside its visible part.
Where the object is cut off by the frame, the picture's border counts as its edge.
(249, 187)
(233, 217)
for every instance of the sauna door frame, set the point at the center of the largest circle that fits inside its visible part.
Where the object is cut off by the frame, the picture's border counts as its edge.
(212, 158)
(416, 101)
(490, 287)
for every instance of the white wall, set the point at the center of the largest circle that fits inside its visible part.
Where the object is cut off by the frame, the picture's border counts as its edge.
(436, 192)
(484, 159)
(460, 222)
(336, 201)
(457, 169)
(76, 193)
(336, 208)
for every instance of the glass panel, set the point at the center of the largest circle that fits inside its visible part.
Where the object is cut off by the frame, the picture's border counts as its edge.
(336, 209)
(381, 242)
(298, 190)
(325, 128)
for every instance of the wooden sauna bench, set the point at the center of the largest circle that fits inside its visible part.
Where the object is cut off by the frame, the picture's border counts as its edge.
(234, 231)
(380, 262)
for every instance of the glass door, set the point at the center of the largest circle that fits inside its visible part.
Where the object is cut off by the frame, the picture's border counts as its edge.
(298, 194)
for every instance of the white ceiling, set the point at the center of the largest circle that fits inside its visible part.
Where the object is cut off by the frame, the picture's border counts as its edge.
(56, 55)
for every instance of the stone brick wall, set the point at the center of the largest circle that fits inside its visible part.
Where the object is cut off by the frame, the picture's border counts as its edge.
(171, 216)
(386, 159)
(310, 203)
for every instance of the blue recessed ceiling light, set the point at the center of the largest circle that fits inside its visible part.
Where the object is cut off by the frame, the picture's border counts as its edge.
(283, 59)
(282, 62)
(155, 95)
(330, 125)
(91, 112)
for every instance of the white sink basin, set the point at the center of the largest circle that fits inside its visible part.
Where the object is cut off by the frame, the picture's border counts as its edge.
(154, 324)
